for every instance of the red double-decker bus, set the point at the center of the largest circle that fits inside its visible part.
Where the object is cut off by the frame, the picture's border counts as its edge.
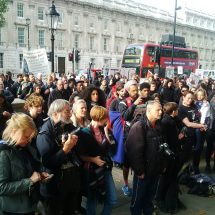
(153, 57)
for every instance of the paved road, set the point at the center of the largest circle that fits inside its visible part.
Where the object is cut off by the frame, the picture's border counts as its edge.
(195, 205)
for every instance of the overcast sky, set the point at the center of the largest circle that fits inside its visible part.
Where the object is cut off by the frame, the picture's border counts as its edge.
(200, 5)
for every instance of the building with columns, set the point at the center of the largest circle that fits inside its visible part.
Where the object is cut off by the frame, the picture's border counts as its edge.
(100, 29)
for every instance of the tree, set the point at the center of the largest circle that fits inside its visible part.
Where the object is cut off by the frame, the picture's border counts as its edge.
(3, 9)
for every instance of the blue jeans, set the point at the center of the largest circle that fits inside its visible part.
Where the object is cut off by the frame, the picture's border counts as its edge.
(143, 195)
(110, 197)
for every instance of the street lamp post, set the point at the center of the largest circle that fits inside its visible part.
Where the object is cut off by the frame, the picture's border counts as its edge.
(174, 27)
(52, 18)
(28, 22)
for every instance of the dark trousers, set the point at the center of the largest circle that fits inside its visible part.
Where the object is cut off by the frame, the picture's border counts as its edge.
(200, 139)
(167, 190)
(68, 199)
(143, 195)
(210, 139)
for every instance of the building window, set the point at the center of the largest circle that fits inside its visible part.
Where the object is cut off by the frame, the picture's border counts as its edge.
(76, 20)
(60, 40)
(76, 41)
(188, 19)
(118, 46)
(60, 17)
(20, 9)
(118, 27)
(41, 38)
(21, 37)
(202, 22)
(195, 20)
(105, 44)
(106, 62)
(91, 43)
(1, 60)
(20, 60)
(118, 63)
(91, 23)
(105, 24)
(40, 13)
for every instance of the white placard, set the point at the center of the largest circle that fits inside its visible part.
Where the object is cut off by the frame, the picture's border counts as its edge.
(180, 70)
(36, 61)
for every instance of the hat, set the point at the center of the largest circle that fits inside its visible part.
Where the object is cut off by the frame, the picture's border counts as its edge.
(77, 82)
(130, 83)
(144, 85)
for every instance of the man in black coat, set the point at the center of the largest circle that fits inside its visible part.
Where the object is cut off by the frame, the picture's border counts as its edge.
(58, 93)
(14, 88)
(142, 143)
(62, 191)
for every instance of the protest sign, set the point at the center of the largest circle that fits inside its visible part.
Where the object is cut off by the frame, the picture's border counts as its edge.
(193, 80)
(36, 61)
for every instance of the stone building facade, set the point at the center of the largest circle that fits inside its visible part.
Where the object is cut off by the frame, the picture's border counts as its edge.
(100, 29)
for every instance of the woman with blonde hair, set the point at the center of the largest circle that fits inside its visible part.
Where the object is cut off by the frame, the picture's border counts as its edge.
(204, 109)
(79, 114)
(19, 168)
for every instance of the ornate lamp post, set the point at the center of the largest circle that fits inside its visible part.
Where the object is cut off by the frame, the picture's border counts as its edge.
(52, 19)
(28, 22)
(174, 27)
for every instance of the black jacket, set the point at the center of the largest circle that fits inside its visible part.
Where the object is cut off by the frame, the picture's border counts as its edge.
(171, 130)
(167, 94)
(52, 155)
(142, 148)
(57, 94)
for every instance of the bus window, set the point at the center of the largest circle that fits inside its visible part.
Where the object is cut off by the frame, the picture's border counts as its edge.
(133, 51)
(150, 50)
(179, 53)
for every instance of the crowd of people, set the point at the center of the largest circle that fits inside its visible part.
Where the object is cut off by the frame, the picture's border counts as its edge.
(56, 157)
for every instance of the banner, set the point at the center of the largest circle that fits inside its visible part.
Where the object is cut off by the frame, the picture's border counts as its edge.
(128, 72)
(193, 80)
(35, 61)
(170, 72)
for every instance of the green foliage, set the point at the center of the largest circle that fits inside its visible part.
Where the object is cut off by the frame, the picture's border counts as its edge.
(3, 9)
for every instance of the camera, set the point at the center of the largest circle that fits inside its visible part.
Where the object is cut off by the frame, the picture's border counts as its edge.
(66, 134)
(108, 162)
(164, 149)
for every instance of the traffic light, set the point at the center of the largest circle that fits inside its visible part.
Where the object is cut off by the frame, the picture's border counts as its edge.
(71, 55)
(77, 55)
(49, 56)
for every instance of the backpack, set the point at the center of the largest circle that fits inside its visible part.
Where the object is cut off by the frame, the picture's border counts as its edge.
(200, 184)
